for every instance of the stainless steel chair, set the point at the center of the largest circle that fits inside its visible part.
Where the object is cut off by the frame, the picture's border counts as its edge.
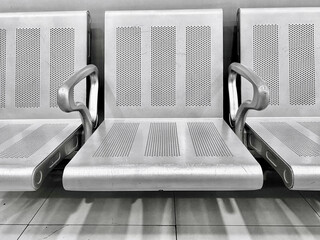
(282, 46)
(38, 52)
(163, 127)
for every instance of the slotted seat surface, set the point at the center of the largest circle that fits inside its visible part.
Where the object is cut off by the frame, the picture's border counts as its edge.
(38, 52)
(282, 47)
(163, 127)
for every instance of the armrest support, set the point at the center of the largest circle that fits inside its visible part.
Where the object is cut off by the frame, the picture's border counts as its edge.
(66, 101)
(259, 101)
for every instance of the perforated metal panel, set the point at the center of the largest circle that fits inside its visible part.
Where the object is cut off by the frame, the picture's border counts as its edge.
(301, 64)
(62, 41)
(293, 139)
(38, 52)
(27, 85)
(128, 66)
(282, 45)
(266, 57)
(118, 141)
(207, 141)
(163, 63)
(198, 66)
(32, 142)
(3, 67)
(162, 140)
(163, 66)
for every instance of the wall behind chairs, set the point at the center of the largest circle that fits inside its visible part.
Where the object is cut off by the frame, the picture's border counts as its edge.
(97, 9)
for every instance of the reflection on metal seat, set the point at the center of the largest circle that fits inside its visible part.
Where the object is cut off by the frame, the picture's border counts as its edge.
(282, 47)
(38, 52)
(163, 105)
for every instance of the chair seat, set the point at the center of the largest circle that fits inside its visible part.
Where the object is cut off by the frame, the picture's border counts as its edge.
(163, 154)
(29, 149)
(292, 146)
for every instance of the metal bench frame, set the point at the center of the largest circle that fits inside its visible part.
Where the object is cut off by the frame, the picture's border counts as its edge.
(39, 50)
(282, 46)
(154, 123)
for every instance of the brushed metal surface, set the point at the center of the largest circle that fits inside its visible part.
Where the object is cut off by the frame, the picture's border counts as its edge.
(38, 53)
(282, 45)
(25, 162)
(181, 77)
(291, 146)
(138, 171)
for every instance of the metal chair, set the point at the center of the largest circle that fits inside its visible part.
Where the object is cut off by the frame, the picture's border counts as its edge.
(163, 127)
(38, 52)
(282, 45)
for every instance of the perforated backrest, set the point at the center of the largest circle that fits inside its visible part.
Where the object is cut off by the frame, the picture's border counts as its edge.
(38, 52)
(163, 63)
(282, 45)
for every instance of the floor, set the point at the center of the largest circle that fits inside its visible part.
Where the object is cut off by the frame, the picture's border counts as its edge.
(52, 213)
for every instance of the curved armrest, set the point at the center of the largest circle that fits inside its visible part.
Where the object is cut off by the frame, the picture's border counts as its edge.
(259, 101)
(66, 101)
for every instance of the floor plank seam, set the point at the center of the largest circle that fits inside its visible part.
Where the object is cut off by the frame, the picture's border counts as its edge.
(309, 226)
(99, 225)
(36, 213)
(309, 204)
(175, 215)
